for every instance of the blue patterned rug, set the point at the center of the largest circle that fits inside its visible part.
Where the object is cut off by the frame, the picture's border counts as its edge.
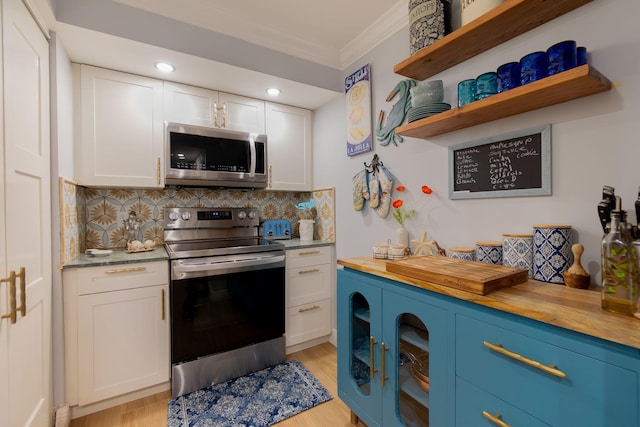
(259, 399)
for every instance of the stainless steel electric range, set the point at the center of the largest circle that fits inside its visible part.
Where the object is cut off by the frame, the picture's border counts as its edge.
(227, 296)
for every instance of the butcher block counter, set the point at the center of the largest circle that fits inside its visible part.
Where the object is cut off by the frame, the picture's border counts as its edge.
(573, 309)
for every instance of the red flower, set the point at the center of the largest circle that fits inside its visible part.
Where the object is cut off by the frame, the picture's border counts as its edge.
(401, 188)
(397, 204)
(426, 189)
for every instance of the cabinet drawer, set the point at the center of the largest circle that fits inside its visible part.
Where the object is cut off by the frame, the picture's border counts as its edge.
(121, 276)
(297, 258)
(472, 404)
(306, 284)
(308, 321)
(593, 393)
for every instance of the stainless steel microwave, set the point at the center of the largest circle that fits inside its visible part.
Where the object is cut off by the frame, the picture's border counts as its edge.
(213, 157)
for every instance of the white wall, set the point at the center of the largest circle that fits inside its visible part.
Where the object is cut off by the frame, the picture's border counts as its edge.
(594, 142)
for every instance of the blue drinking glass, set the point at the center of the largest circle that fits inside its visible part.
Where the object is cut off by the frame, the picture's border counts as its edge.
(562, 57)
(466, 92)
(486, 85)
(582, 55)
(508, 76)
(534, 66)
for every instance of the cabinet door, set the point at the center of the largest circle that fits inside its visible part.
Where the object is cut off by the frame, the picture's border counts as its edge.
(359, 341)
(123, 342)
(415, 362)
(122, 135)
(289, 147)
(189, 104)
(242, 113)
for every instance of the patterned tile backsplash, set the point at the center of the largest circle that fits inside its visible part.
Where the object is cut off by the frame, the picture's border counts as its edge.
(92, 217)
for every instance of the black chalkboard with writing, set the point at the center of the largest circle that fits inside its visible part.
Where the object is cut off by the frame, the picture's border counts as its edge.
(516, 164)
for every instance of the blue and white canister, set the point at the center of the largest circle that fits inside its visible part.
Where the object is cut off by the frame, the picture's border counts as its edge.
(465, 253)
(517, 251)
(552, 254)
(489, 252)
(429, 21)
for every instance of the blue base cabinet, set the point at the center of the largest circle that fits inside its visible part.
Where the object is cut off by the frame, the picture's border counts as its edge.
(486, 367)
(389, 341)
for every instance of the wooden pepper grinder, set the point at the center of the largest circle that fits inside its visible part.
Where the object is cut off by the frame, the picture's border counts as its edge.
(576, 276)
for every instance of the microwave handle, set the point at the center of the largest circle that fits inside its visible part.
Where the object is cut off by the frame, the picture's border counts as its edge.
(252, 149)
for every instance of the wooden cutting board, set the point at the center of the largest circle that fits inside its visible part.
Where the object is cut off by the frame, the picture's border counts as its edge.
(471, 276)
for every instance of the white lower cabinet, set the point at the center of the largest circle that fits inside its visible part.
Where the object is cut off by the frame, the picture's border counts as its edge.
(308, 294)
(116, 330)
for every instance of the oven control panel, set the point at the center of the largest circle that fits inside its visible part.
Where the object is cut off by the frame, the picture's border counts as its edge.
(181, 218)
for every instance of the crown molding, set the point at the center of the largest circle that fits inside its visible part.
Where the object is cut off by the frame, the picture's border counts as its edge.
(381, 29)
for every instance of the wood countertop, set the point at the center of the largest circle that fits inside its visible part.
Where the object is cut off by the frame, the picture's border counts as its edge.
(574, 309)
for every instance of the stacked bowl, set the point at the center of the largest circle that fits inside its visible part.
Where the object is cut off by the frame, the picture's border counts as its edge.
(426, 100)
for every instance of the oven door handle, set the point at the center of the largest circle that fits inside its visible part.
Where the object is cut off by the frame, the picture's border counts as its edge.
(187, 268)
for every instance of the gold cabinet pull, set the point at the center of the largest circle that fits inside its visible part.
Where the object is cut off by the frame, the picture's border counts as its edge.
(23, 292)
(550, 369)
(313, 270)
(11, 280)
(496, 419)
(163, 304)
(302, 310)
(270, 175)
(308, 253)
(125, 270)
(372, 368)
(158, 171)
(383, 377)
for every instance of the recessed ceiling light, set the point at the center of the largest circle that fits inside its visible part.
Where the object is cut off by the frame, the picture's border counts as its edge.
(273, 91)
(165, 67)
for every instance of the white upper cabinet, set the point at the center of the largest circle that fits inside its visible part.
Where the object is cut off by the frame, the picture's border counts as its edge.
(121, 131)
(289, 147)
(204, 107)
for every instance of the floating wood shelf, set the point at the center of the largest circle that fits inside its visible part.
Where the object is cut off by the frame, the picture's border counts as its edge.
(571, 84)
(506, 21)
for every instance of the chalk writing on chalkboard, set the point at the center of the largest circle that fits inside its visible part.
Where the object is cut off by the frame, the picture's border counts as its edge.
(517, 164)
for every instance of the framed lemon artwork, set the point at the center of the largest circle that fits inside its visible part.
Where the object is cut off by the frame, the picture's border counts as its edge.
(357, 88)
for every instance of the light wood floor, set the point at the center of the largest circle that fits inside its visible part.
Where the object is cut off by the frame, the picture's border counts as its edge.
(152, 411)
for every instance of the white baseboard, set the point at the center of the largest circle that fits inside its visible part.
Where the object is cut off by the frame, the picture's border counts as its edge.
(81, 411)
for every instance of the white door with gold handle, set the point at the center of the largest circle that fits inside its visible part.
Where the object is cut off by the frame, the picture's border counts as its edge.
(25, 221)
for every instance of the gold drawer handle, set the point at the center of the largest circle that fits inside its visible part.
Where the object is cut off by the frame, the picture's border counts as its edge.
(550, 369)
(125, 270)
(496, 419)
(313, 270)
(302, 310)
(309, 253)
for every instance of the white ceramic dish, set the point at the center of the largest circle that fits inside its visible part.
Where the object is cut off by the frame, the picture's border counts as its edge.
(100, 252)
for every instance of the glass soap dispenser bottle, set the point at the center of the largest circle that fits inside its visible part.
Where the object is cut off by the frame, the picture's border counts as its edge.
(619, 266)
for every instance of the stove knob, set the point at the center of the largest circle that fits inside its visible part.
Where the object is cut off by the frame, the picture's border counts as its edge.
(242, 215)
(252, 214)
(173, 216)
(186, 216)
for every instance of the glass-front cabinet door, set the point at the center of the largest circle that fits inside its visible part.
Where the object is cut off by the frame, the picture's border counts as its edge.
(359, 311)
(415, 362)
